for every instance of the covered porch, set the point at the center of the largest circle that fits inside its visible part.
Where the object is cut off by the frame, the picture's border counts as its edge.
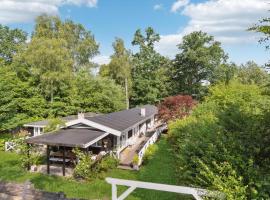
(58, 147)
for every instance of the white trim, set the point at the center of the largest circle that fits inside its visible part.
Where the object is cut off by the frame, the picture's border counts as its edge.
(34, 126)
(95, 140)
(94, 125)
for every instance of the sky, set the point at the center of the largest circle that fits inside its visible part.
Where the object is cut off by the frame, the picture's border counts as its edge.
(226, 20)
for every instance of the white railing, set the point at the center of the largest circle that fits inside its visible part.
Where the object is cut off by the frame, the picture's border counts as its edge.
(149, 142)
(195, 192)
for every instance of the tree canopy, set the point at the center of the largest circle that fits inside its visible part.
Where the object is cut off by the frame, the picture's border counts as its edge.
(200, 55)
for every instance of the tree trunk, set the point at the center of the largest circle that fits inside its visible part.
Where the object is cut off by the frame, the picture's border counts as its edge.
(126, 90)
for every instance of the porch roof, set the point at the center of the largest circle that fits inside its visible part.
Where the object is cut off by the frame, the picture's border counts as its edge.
(81, 138)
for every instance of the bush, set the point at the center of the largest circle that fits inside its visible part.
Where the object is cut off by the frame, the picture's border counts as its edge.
(4, 138)
(135, 160)
(149, 153)
(89, 169)
(226, 139)
(83, 167)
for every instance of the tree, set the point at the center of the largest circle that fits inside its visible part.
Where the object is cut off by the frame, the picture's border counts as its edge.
(119, 68)
(149, 70)
(95, 94)
(199, 56)
(79, 41)
(175, 107)
(263, 28)
(50, 66)
(224, 144)
(251, 73)
(19, 102)
(10, 42)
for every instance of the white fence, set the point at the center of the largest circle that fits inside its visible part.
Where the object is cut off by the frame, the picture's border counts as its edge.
(150, 141)
(10, 146)
(195, 192)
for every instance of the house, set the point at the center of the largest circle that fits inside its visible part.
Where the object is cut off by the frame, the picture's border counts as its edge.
(105, 133)
(37, 128)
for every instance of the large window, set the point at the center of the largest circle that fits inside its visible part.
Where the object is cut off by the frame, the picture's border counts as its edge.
(130, 133)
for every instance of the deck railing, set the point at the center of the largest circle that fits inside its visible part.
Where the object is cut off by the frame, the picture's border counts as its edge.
(149, 142)
(195, 192)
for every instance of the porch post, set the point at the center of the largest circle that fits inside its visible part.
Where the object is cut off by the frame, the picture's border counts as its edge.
(48, 159)
(64, 161)
(28, 156)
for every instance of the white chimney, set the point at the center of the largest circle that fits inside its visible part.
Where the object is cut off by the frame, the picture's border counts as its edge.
(143, 112)
(80, 115)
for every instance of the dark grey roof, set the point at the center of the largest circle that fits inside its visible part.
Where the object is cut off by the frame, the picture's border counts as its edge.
(125, 119)
(45, 122)
(67, 137)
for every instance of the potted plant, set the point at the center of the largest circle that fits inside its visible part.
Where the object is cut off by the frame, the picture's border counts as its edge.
(135, 162)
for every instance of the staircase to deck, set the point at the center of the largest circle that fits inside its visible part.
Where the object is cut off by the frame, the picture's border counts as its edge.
(128, 154)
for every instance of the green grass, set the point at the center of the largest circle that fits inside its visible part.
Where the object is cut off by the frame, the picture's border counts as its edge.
(159, 170)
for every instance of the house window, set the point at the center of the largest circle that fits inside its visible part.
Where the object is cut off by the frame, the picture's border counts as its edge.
(130, 133)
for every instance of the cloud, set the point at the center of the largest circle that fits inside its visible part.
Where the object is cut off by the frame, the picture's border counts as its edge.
(101, 59)
(226, 20)
(18, 11)
(158, 7)
(167, 44)
(178, 5)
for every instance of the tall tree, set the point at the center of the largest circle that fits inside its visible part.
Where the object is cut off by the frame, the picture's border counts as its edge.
(251, 73)
(79, 41)
(50, 65)
(149, 69)
(199, 56)
(119, 68)
(10, 42)
(264, 28)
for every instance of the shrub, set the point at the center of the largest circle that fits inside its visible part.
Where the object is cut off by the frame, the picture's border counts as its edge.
(83, 167)
(34, 157)
(4, 138)
(89, 169)
(135, 160)
(226, 138)
(149, 153)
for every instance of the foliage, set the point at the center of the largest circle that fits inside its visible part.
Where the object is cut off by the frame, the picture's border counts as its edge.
(98, 94)
(149, 70)
(150, 153)
(251, 73)
(10, 42)
(4, 137)
(28, 154)
(223, 178)
(83, 167)
(263, 28)
(88, 169)
(44, 77)
(175, 107)
(19, 102)
(106, 164)
(231, 126)
(80, 42)
(119, 68)
(199, 56)
(54, 124)
(135, 160)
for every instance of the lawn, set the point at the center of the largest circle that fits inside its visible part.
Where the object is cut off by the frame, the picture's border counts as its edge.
(159, 170)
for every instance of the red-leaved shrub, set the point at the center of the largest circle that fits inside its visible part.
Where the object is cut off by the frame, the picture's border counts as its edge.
(175, 107)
